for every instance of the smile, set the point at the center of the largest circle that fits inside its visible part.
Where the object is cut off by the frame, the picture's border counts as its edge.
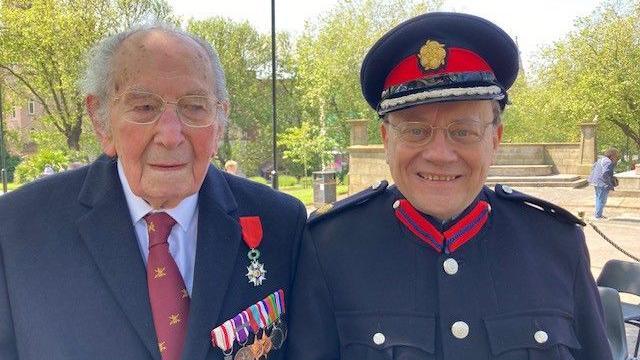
(433, 177)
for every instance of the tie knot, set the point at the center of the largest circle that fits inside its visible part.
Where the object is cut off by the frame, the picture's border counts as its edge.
(159, 226)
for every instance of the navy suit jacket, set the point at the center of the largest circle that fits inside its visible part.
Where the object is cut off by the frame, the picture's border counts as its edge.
(73, 282)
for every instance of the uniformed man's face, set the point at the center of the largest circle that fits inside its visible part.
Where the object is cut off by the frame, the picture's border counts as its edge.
(441, 178)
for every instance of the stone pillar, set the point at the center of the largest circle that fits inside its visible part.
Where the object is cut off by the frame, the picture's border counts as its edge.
(588, 147)
(359, 134)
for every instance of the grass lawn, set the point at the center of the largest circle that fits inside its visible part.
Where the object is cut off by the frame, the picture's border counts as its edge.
(306, 194)
(10, 186)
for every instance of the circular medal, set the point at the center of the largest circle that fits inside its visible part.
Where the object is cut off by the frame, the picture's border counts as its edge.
(266, 344)
(256, 349)
(244, 353)
(277, 338)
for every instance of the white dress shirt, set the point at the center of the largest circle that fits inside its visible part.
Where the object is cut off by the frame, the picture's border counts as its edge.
(183, 236)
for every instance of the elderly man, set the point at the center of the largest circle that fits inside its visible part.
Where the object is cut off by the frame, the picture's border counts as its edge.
(439, 266)
(150, 252)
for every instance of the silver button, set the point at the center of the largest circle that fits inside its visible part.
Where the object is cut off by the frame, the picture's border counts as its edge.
(460, 329)
(541, 337)
(376, 185)
(378, 338)
(396, 204)
(489, 207)
(450, 266)
(507, 189)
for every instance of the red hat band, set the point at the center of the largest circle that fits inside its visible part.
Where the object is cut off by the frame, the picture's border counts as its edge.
(437, 73)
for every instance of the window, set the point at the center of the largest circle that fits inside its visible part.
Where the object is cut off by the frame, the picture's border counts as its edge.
(32, 107)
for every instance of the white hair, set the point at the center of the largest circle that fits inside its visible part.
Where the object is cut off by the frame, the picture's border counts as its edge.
(99, 74)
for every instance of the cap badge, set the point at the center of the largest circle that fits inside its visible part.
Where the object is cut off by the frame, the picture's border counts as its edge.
(432, 55)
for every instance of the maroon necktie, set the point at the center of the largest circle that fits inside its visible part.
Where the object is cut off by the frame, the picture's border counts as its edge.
(167, 293)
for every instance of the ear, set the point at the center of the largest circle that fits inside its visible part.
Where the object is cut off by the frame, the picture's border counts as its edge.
(383, 134)
(102, 133)
(496, 139)
(385, 140)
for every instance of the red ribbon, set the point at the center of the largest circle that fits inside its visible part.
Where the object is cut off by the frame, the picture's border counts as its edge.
(251, 230)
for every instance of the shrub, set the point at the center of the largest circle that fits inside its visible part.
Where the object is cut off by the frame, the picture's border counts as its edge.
(306, 181)
(287, 180)
(259, 179)
(32, 166)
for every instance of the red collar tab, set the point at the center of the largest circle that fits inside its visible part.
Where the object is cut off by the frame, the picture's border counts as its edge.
(462, 231)
(435, 59)
(251, 230)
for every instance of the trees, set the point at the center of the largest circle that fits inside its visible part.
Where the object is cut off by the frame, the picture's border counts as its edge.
(307, 145)
(329, 54)
(588, 75)
(43, 44)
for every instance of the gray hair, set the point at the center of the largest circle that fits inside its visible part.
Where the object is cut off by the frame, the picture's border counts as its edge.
(612, 152)
(99, 74)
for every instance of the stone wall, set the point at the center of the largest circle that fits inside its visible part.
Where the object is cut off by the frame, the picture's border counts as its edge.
(565, 158)
(366, 165)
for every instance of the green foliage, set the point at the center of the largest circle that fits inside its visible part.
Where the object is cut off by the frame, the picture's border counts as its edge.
(259, 179)
(587, 76)
(306, 182)
(307, 145)
(245, 55)
(329, 54)
(32, 166)
(287, 180)
(250, 155)
(42, 48)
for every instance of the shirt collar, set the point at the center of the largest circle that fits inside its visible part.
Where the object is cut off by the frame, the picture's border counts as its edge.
(138, 207)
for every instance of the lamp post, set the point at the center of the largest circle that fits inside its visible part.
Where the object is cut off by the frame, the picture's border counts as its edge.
(274, 172)
(3, 155)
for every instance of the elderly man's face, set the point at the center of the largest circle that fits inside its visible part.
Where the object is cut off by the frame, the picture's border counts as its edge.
(164, 161)
(441, 178)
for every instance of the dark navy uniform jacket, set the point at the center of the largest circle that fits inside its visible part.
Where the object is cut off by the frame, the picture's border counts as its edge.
(369, 289)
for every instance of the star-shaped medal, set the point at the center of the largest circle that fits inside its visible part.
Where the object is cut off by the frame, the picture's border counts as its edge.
(256, 273)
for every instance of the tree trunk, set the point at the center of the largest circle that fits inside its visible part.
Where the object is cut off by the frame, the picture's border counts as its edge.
(73, 136)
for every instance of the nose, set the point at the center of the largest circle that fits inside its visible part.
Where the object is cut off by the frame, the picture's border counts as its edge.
(169, 128)
(439, 149)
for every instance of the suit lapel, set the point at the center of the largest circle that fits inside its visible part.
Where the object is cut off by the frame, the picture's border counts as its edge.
(110, 237)
(217, 248)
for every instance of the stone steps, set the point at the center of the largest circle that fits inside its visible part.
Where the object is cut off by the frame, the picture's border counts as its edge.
(521, 170)
(561, 180)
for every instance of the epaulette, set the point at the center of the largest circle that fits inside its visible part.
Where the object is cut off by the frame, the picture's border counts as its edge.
(506, 192)
(349, 202)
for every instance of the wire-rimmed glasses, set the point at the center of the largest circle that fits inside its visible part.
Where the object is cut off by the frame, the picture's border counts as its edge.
(143, 108)
(460, 132)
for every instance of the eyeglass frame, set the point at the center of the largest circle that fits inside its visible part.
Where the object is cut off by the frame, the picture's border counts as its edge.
(217, 104)
(396, 128)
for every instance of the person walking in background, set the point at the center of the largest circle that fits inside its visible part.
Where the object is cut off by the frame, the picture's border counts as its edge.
(48, 170)
(602, 178)
(231, 166)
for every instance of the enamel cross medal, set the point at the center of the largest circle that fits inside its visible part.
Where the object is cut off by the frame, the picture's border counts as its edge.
(252, 236)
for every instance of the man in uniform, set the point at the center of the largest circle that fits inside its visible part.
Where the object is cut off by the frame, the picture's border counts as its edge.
(438, 266)
(149, 252)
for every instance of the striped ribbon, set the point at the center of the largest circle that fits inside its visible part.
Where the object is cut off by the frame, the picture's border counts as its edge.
(223, 336)
(260, 315)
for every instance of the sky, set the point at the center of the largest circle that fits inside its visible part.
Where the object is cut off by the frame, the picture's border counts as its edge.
(532, 24)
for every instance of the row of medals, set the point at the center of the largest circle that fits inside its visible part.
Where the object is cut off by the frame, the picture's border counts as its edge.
(264, 341)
